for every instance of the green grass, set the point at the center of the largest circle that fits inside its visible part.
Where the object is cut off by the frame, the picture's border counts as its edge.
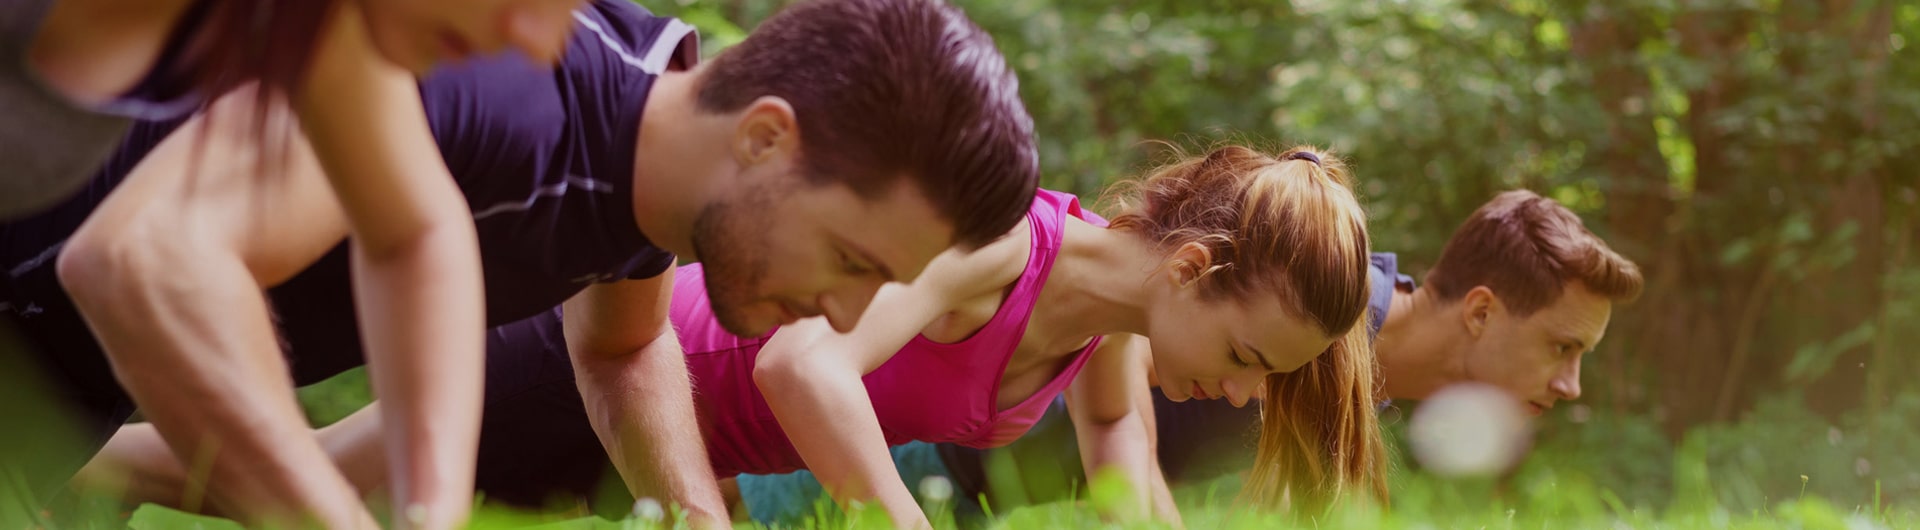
(1421, 503)
(1780, 467)
(1810, 513)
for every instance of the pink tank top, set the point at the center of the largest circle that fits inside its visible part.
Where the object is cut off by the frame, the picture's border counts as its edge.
(929, 391)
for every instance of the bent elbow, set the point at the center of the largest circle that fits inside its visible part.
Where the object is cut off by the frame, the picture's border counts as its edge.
(782, 375)
(94, 267)
(773, 372)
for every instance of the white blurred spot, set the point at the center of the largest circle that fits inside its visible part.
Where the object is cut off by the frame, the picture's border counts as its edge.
(1833, 436)
(1861, 467)
(417, 515)
(1862, 522)
(648, 509)
(1579, 413)
(1469, 429)
(936, 488)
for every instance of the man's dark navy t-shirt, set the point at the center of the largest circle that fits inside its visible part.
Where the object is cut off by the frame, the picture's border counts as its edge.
(544, 156)
(546, 159)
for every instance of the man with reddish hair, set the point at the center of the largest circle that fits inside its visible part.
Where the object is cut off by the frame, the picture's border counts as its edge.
(841, 146)
(1520, 293)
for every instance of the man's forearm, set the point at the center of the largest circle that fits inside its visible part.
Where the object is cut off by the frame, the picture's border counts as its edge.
(641, 405)
(188, 336)
(420, 312)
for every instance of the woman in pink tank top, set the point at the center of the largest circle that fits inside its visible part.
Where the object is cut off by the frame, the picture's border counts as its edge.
(1244, 273)
(1237, 275)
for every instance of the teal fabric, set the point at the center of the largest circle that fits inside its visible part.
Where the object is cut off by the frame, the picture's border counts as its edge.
(792, 498)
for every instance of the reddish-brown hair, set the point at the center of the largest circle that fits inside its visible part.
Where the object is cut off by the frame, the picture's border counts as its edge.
(1526, 248)
(268, 41)
(262, 45)
(1286, 226)
(885, 89)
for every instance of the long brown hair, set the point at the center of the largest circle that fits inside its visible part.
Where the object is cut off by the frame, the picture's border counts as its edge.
(260, 46)
(1287, 226)
(266, 41)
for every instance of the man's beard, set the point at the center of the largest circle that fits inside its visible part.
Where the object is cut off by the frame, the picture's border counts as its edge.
(725, 237)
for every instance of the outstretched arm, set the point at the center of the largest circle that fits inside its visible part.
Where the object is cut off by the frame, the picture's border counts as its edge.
(1112, 416)
(168, 272)
(1162, 495)
(416, 268)
(633, 379)
(137, 465)
(811, 376)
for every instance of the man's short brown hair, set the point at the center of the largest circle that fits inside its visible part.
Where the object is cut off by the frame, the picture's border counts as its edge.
(1526, 248)
(887, 90)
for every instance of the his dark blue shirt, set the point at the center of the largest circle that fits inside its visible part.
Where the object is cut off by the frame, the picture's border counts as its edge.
(544, 156)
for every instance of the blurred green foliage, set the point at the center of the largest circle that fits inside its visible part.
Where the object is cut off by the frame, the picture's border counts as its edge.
(1752, 155)
(1747, 153)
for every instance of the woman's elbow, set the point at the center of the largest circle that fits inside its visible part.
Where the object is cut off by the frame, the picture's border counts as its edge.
(775, 373)
(99, 266)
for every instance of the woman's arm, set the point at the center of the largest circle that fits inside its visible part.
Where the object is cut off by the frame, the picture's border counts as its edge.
(1112, 416)
(1161, 493)
(811, 377)
(168, 273)
(416, 267)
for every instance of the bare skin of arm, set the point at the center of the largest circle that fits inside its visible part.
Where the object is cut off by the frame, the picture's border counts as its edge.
(138, 467)
(1162, 495)
(811, 377)
(1113, 431)
(633, 380)
(169, 273)
(416, 268)
(631, 398)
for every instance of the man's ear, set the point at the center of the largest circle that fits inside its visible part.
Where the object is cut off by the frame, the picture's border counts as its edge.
(766, 131)
(1477, 308)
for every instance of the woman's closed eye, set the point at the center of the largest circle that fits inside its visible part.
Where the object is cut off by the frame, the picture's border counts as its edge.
(1237, 361)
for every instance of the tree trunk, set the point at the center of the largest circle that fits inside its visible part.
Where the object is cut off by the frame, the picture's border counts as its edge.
(1697, 355)
(1855, 289)
(1638, 202)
